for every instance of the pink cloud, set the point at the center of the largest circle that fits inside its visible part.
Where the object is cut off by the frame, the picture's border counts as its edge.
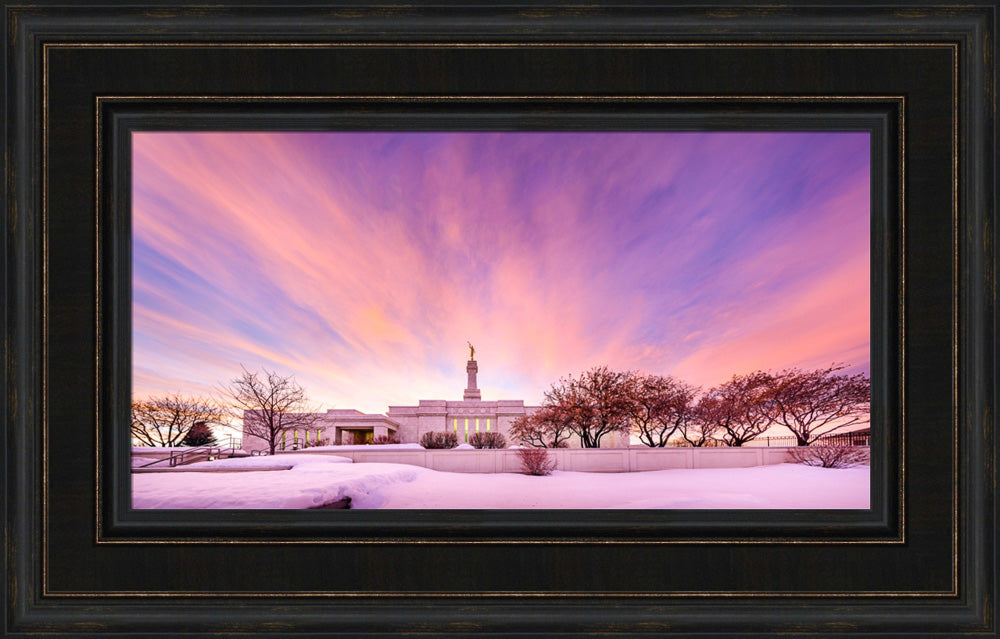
(363, 262)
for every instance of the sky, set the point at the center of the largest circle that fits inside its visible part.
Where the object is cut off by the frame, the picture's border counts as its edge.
(362, 262)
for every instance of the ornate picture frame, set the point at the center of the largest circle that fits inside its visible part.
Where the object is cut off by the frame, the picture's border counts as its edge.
(79, 560)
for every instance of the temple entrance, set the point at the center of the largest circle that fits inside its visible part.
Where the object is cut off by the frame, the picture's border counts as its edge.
(363, 436)
(359, 434)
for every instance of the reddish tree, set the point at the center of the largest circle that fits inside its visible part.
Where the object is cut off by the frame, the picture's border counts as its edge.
(738, 408)
(815, 403)
(699, 431)
(596, 404)
(659, 407)
(547, 427)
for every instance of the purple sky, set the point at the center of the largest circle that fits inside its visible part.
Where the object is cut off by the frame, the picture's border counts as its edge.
(363, 262)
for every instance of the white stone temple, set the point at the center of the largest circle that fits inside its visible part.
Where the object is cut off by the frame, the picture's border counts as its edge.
(408, 423)
(469, 415)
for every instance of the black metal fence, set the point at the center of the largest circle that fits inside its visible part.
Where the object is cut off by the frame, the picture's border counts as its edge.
(856, 438)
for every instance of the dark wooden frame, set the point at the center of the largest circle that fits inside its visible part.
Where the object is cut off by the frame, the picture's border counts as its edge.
(78, 76)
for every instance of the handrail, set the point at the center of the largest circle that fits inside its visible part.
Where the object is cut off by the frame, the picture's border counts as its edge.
(178, 458)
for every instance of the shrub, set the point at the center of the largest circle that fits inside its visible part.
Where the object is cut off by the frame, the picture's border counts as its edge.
(829, 456)
(705, 443)
(385, 439)
(487, 440)
(198, 435)
(443, 439)
(536, 461)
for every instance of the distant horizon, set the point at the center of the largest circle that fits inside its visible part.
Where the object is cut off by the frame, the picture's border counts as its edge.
(362, 263)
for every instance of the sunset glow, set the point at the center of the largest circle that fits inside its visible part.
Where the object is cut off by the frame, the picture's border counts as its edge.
(362, 263)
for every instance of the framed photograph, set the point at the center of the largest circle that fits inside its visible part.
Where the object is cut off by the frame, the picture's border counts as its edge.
(383, 201)
(731, 259)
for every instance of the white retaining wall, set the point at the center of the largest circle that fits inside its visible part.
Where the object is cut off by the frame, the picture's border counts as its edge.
(599, 460)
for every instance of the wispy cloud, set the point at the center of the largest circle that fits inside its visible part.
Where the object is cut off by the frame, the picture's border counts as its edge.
(362, 262)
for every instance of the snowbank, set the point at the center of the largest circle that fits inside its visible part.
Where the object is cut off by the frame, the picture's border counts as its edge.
(313, 480)
(309, 484)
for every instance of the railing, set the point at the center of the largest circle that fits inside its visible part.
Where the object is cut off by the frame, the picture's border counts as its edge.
(857, 438)
(208, 451)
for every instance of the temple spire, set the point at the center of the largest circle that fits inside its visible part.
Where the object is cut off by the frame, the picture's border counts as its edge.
(472, 368)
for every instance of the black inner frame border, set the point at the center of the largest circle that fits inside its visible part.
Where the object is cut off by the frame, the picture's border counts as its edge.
(882, 117)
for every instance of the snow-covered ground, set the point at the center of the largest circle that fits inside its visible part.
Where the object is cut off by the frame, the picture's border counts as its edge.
(307, 481)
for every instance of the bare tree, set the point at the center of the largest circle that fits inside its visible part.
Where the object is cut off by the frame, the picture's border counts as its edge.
(270, 405)
(738, 408)
(547, 427)
(596, 404)
(659, 407)
(815, 403)
(165, 421)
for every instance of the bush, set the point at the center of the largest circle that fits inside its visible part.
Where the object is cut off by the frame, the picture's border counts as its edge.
(384, 439)
(680, 442)
(443, 439)
(536, 461)
(488, 440)
(830, 456)
(199, 435)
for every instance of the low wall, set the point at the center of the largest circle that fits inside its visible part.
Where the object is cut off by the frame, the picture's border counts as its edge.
(600, 460)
